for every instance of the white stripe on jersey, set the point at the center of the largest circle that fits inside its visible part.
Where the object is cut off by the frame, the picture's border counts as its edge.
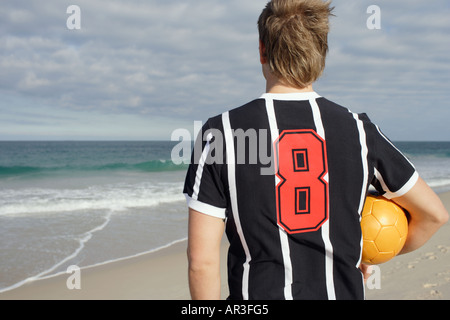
(201, 164)
(229, 143)
(391, 194)
(387, 140)
(286, 252)
(364, 153)
(365, 166)
(408, 186)
(326, 226)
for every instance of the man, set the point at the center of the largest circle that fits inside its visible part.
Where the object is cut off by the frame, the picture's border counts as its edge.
(293, 222)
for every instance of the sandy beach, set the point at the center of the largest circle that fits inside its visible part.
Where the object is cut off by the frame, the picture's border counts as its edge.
(420, 275)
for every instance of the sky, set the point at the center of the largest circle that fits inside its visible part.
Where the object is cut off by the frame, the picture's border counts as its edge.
(140, 69)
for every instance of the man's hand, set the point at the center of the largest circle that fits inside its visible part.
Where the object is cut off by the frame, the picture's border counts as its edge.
(366, 271)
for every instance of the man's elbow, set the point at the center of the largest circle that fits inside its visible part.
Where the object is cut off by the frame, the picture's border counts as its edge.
(198, 263)
(438, 218)
(439, 214)
(442, 218)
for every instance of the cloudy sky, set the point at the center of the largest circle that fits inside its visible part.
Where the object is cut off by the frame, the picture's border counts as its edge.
(139, 69)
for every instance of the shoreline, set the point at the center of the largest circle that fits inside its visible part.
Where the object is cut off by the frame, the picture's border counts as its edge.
(161, 274)
(100, 264)
(157, 275)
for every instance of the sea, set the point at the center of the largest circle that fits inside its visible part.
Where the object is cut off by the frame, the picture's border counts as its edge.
(65, 203)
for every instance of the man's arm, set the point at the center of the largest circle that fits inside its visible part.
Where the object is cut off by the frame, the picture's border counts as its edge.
(427, 214)
(204, 239)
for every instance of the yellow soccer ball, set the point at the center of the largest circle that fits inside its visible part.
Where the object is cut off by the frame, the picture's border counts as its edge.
(384, 227)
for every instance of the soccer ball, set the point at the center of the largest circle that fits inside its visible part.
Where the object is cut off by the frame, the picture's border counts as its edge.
(384, 227)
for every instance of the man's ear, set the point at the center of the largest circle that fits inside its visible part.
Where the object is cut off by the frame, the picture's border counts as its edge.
(262, 52)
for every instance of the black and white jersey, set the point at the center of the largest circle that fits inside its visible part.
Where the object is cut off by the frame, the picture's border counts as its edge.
(290, 174)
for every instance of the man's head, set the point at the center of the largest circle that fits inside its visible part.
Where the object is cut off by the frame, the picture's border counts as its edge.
(294, 39)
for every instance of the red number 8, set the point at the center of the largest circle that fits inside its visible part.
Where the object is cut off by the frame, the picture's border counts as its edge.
(302, 193)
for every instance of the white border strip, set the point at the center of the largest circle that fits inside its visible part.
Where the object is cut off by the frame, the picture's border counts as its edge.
(205, 208)
(299, 96)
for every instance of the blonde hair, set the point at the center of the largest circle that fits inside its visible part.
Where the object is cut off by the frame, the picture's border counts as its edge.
(295, 36)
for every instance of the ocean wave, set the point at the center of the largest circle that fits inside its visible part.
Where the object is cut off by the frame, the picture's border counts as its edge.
(439, 183)
(69, 205)
(115, 197)
(148, 166)
(18, 170)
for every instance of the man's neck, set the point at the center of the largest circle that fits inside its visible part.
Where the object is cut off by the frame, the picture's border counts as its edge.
(287, 89)
(274, 85)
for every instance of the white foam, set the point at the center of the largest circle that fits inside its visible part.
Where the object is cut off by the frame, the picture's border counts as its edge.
(439, 183)
(82, 241)
(112, 197)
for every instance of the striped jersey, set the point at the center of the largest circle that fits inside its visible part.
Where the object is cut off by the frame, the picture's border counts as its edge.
(290, 174)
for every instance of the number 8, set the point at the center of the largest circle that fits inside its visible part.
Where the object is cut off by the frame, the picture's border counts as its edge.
(302, 193)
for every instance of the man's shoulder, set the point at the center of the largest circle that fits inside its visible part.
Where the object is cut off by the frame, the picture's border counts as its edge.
(333, 106)
(338, 110)
(248, 110)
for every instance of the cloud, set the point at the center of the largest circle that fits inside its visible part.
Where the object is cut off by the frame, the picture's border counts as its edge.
(143, 64)
(137, 56)
(30, 122)
(399, 75)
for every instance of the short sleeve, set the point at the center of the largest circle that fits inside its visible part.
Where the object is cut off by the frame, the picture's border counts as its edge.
(204, 188)
(394, 174)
